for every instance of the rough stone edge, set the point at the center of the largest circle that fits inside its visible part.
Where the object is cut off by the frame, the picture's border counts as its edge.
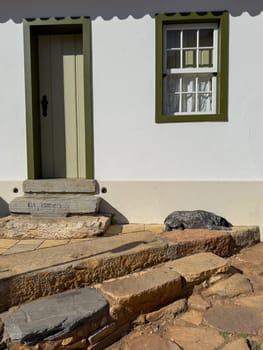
(7, 232)
(20, 288)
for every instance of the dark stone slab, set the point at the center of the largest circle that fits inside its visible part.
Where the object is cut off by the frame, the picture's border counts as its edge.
(52, 317)
(195, 219)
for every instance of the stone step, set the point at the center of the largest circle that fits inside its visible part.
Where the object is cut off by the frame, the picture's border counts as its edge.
(60, 186)
(142, 291)
(57, 320)
(77, 226)
(55, 205)
(221, 242)
(30, 275)
(94, 318)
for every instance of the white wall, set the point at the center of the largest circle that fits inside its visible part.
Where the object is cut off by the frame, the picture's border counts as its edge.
(129, 145)
(128, 142)
(12, 105)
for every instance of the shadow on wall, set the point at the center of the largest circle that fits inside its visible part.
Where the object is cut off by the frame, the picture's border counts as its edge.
(4, 208)
(19, 9)
(117, 217)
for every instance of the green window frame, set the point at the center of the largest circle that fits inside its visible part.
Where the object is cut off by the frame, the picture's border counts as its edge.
(221, 20)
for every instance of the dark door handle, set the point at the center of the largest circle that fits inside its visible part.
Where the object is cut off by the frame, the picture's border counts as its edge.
(44, 103)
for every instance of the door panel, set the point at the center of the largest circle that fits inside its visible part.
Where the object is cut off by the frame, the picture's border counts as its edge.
(63, 129)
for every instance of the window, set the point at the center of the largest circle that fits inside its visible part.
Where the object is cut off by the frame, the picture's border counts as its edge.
(191, 67)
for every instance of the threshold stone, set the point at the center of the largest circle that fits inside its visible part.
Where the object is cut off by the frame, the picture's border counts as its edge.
(77, 226)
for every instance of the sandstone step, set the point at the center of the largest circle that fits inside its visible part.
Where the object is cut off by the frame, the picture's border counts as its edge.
(77, 226)
(55, 205)
(81, 319)
(220, 242)
(75, 314)
(30, 275)
(60, 186)
(199, 267)
(143, 291)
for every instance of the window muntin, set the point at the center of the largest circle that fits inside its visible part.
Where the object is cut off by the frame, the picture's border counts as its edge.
(190, 68)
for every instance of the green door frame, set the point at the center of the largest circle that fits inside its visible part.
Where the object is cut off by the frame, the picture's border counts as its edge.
(33, 28)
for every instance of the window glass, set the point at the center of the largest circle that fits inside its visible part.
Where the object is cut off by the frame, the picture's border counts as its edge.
(189, 58)
(205, 58)
(173, 59)
(173, 39)
(189, 38)
(206, 37)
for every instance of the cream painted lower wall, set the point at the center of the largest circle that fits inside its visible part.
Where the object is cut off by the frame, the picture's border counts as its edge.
(241, 202)
(8, 191)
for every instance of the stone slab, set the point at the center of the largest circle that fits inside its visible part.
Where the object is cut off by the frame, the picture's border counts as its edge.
(30, 275)
(192, 241)
(23, 246)
(231, 287)
(55, 205)
(199, 267)
(196, 338)
(54, 316)
(136, 340)
(235, 319)
(255, 301)
(196, 302)
(238, 344)
(245, 236)
(77, 226)
(143, 291)
(168, 312)
(59, 186)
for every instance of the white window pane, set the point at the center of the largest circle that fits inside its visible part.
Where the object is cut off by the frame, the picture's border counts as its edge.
(205, 84)
(206, 58)
(189, 58)
(190, 38)
(188, 84)
(188, 103)
(206, 37)
(173, 39)
(205, 103)
(173, 59)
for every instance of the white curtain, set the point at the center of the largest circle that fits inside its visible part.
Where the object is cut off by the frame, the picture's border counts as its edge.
(194, 92)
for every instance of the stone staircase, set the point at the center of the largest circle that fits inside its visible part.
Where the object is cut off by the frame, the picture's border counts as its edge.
(55, 208)
(113, 280)
(93, 318)
(56, 197)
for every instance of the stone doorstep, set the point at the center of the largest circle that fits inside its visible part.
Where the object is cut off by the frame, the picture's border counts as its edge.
(72, 227)
(60, 186)
(55, 204)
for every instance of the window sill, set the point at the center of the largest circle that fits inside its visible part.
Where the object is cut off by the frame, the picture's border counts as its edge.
(191, 118)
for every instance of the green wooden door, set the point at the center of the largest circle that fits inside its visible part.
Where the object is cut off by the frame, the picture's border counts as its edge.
(62, 117)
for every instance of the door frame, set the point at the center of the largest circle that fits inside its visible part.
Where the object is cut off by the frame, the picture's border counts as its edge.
(33, 28)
